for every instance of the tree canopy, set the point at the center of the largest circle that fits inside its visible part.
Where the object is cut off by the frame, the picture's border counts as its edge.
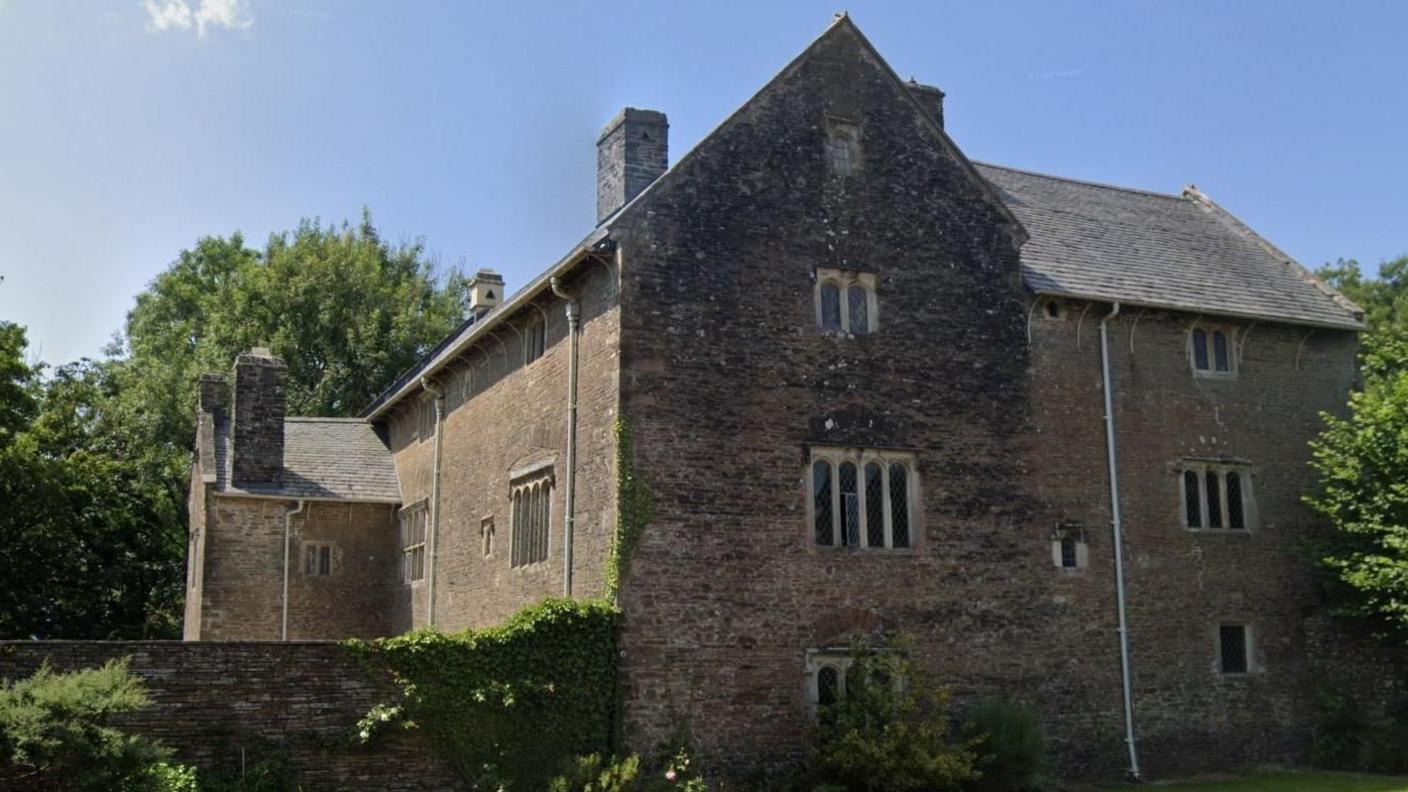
(1362, 461)
(95, 456)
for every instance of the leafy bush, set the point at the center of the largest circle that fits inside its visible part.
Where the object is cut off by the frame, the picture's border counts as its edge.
(891, 729)
(1011, 742)
(1337, 737)
(591, 774)
(508, 705)
(168, 777)
(56, 731)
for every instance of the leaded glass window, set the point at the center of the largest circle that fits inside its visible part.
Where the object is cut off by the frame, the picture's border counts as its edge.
(1068, 552)
(1214, 500)
(828, 686)
(830, 306)
(850, 506)
(1235, 518)
(859, 499)
(899, 505)
(874, 505)
(1219, 351)
(1200, 350)
(1193, 503)
(1232, 648)
(856, 303)
(821, 502)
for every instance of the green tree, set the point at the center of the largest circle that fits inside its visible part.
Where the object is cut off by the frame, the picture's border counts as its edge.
(1362, 461)
(95, 459)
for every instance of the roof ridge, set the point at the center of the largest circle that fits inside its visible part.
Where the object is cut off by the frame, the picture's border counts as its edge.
(1087, 182)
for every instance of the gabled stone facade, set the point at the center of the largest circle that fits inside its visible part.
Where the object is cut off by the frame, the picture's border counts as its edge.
(964, 379)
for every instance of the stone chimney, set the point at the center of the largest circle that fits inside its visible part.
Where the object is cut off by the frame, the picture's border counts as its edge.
(257, 431)
(632, 152)
(931, 98)
(486, 289)
(213, 390)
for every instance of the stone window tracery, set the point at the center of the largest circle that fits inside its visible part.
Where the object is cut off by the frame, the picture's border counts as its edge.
(860, 498)
(1216, 496)
(845, 301)
(531, 501)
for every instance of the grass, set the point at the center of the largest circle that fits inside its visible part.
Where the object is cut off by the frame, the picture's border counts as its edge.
(1288, 782)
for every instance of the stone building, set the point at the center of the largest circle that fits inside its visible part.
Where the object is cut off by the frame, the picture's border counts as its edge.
(867, 383)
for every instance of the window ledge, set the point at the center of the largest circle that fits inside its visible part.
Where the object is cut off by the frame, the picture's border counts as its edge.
(1219, 531)
(1214, 375)
(897, 552)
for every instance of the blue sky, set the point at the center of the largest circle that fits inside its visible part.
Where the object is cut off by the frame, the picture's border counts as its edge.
(128, 130)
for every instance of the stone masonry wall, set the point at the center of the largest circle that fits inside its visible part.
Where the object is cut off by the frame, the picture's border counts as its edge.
(727, 381)
(1182, 583)
(220, 704)
(243, 559)
(503, 418)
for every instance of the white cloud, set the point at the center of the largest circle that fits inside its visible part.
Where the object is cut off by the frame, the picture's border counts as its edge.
(177, 15)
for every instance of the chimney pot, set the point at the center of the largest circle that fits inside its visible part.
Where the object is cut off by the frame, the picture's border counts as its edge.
(632, 152)
(486, 289)
(257, 432)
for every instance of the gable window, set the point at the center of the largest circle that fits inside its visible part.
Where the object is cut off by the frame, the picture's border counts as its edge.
(413, 521)
(860, 498)
(534, 340)
(317, 560)
(1211, 351)
(1233, 648)
(845, 301)
(531, 512)
(842, 147)
(1216, 496)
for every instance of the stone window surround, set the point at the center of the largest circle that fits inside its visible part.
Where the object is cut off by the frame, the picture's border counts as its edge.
(409, 550)
(845, 280)
(1249, 638)
(486, 535)
(843, 152)
(836, 455)
(1076, 535)
(523, 482)
(312, 555)
(1221, 467)
(1210, 331)
(837, 658)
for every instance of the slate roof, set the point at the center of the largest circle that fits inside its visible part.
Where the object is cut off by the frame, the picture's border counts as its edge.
(1168, 251)
(323, 458)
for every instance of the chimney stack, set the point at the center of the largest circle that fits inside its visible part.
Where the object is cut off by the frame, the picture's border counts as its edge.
(931, 98)
(212, 389)
(257, 433)
(486, 289)
(632, 152)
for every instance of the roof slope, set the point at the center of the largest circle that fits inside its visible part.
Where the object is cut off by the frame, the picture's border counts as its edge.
(1168, 251)
(341, 458)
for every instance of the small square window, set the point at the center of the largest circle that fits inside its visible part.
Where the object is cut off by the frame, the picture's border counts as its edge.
(317, 560)
(1232, 649)
(1068, 549)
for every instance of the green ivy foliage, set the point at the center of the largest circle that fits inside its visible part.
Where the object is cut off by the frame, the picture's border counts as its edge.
(634, 511)
(506, 707)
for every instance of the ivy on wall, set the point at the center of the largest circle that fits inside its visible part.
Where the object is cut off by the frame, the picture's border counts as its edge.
(506, 705)
(634, 511)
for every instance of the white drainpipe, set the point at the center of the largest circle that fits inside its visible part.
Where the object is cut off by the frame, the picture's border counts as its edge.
(439, 396)
(1118, 531)
(288, 537)
(570, 474)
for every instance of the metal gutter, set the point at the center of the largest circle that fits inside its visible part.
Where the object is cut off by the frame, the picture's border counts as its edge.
(288, 534)
(569, 486)
(1349, 327)
(439, 396)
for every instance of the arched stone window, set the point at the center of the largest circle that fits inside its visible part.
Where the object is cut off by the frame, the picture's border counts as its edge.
(861, 498)
(846, 301)
(1211, 351)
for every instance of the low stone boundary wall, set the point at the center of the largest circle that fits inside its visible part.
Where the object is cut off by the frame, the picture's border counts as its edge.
(221, 704)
